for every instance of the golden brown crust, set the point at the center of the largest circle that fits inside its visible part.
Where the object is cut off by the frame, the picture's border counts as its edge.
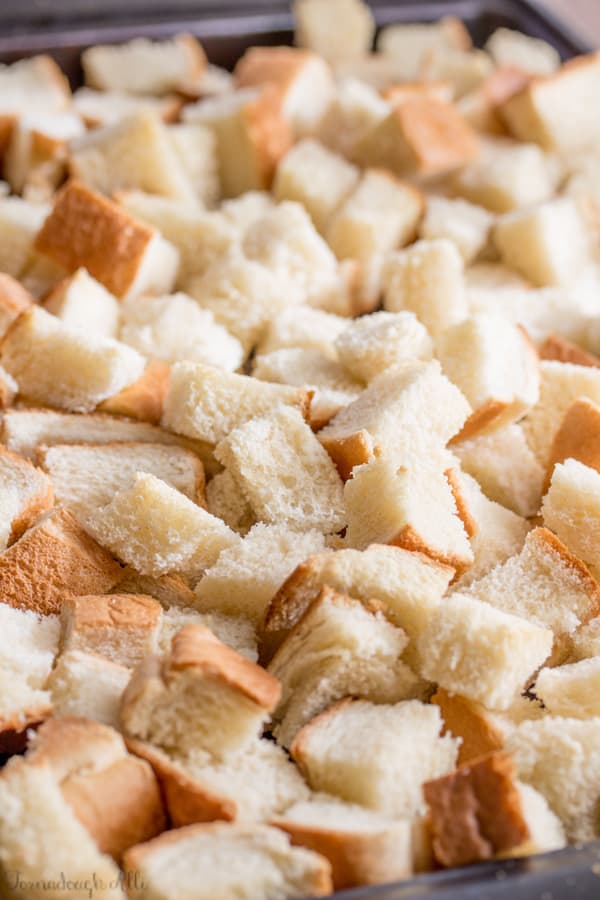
(53, 560)
(560, 349)
(119, 611)
(577, 438)
(85, 229)
(145, 398)
(347, 452)
(7, 125)
(468, 720)
(14, 299)
(470, 525)
(409, 539)
(298, 750)
(476, 812)
(271, 65)
(437, 136)
(549, 542)
(38, 503)
(169, 590)
(268, 132)
(480, 420)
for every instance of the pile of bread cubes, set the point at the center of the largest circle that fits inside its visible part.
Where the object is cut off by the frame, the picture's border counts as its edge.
(300, 462)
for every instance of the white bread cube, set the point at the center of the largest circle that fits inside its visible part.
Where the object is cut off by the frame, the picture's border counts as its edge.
(465, 224)
(578, 438)
(381, 214)
(157, 529)
(144, 67)
(173, 328)
(539, 112)
(339, 648)
(243, 211)
(14, 300)
(570, 690)
(505, 467)
(405, 413)
(413, 508)
(356, 109)
(196, 149)
(136, 153)
(225, 500)
(532, 242)
(585, 642)
(206, 403)
(559, 757)
(266, 865)
(82, 302)
(284, 472)
(202, 696)
(25, 492)
(338, 30)
(143, 399)
(571, 508)
(320, 180)
(409, 44)
(405, 750)
(239, 584)
(126, 256)
(35, 159)
(512, 48)
(463, 72)
(303, 326)
(427, 279)
(36, 84)
(371, 344)
(234, 631)
(482, 653)
(88, 686)
(62, 366)
(19, 223)
(545, 584)
(495, 365)
(101, 108)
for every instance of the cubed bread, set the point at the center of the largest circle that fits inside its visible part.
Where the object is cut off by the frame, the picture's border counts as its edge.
(545, 584)
(319, 179)
(559, 349)
(123, 254)
(531, 241)
(25, 494)
(539, 112)
(427, 279)
(34, 163)
(157, 529)
(202, 696)
(239, 584)
(303, 326)
(206, 403)
(284, 472)
(363, 846)
(585, 642)
(570, 690)
(381, 214)
(82, 302)
(409, 44)
(142, 66)
(478, 651)
(196, 149)
(481, 107)
(8, 389)
(88, 686)
(99, 108)
(19, 223)
(62, 366)
(370, 344)
(171, 591)
(356, 109)
(338, 648)
(174, 328)
(571, 508)
(513, 48)
(463, 72)
(52, 559)
(224, 499)
(87, 476)
(266, 865)
(143, 399)
(405, 414)
(578, 437)
(35, 83)
(467, 225)
(405, 751)
(338, 30)
(235, 631)
(495, 365)
(423, 136)
(14, 300)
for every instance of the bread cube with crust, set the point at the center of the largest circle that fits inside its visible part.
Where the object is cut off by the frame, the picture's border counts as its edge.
(14, 300)
(224, 499)
(88, 686)
(467, 225)
(343, 29)
(571, 508)
(26, 494)
(201, 696)
(196, 148)
(35, 159)
(570, 690)
(369, 345)
(36, 84)
(512, 48)
(407, 45)
(82, 302)
(291, 480)
(578, 438)
(405, 751)
(237, 632)
(484, 654)
(356, 109)
(144, 399)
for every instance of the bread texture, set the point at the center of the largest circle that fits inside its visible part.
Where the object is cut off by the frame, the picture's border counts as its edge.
(145, 67)
(82, 302)
(370, 344)
(26, 494)
(578, 437)
(98, 108)
(88, 686)
(571, 508)
(318, 28)
(225, 500)
(303, 326)
(466, 224)
(14, 300)
(143, 399)
(570, 690)
(408, 44)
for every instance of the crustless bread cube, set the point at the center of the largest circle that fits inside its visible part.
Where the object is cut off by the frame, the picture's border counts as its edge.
(570, 690)
(408, 44)
(465, 224)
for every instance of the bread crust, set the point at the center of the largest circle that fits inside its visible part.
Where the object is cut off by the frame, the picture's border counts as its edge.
(464, 514)
(145, 398)
(348, 452)
(481, 420)
(560, 349)
(467, 720)
(38, 503)
(409, 539)
(269, 134)
(578, 437)
(14, 300)
(298, 747)
(436, 136)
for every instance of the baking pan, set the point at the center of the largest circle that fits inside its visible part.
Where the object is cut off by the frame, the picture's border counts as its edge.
(63, 28)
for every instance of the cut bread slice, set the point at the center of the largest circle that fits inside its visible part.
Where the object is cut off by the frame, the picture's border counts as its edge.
(408, 44)
(205, 403)
(339, 648)
(484, 654)
(203, 696)
(87, 476)
(291, 480)
(100, 108)
(157, 529)
(145, 67)
(578, 437)
(467, 225)
(143, 399)
(405, 414)
(512, 48)
(82, 302)
(427, 279)
(336, 31)
(410, 508)
(25, 494)
(14, 300)
(234, 631)
(225, 500)
(239, 584)
(570, 690)
(371, 344)
(88, 686)
(123, 254)
(405, 751)
(54, 558)
(65, 367)
(571, 508)
(226, 860)
(121, 627)
(303, 326)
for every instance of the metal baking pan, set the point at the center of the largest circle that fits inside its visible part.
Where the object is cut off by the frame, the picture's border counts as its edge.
(63, 28)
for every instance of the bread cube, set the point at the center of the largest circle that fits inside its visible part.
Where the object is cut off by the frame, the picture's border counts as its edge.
(405, 750)
(88, 686)
(82, 302)
(303, 326)
(371, 344)
(101, 108)
(86, 229)
(471, 648)
(482, 107)
(462, 71)
(234, 631)
(156, 529)
(427, 279)
(145, 67)
(36, 84)
(571, 508)
(34, 163)
(408, 44)
(578, 438)
(14, 300)
(225, 500)
(144, 399)
(465, 224)
(25, 492)
(239, 584)
(291, 479)
(512, 48)
(342, 29)
(570, 690)
(355, 109)
(559, 349)
(20, 221)
(196, 148)
(54, 558)
(8, 389)
(171, 701)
